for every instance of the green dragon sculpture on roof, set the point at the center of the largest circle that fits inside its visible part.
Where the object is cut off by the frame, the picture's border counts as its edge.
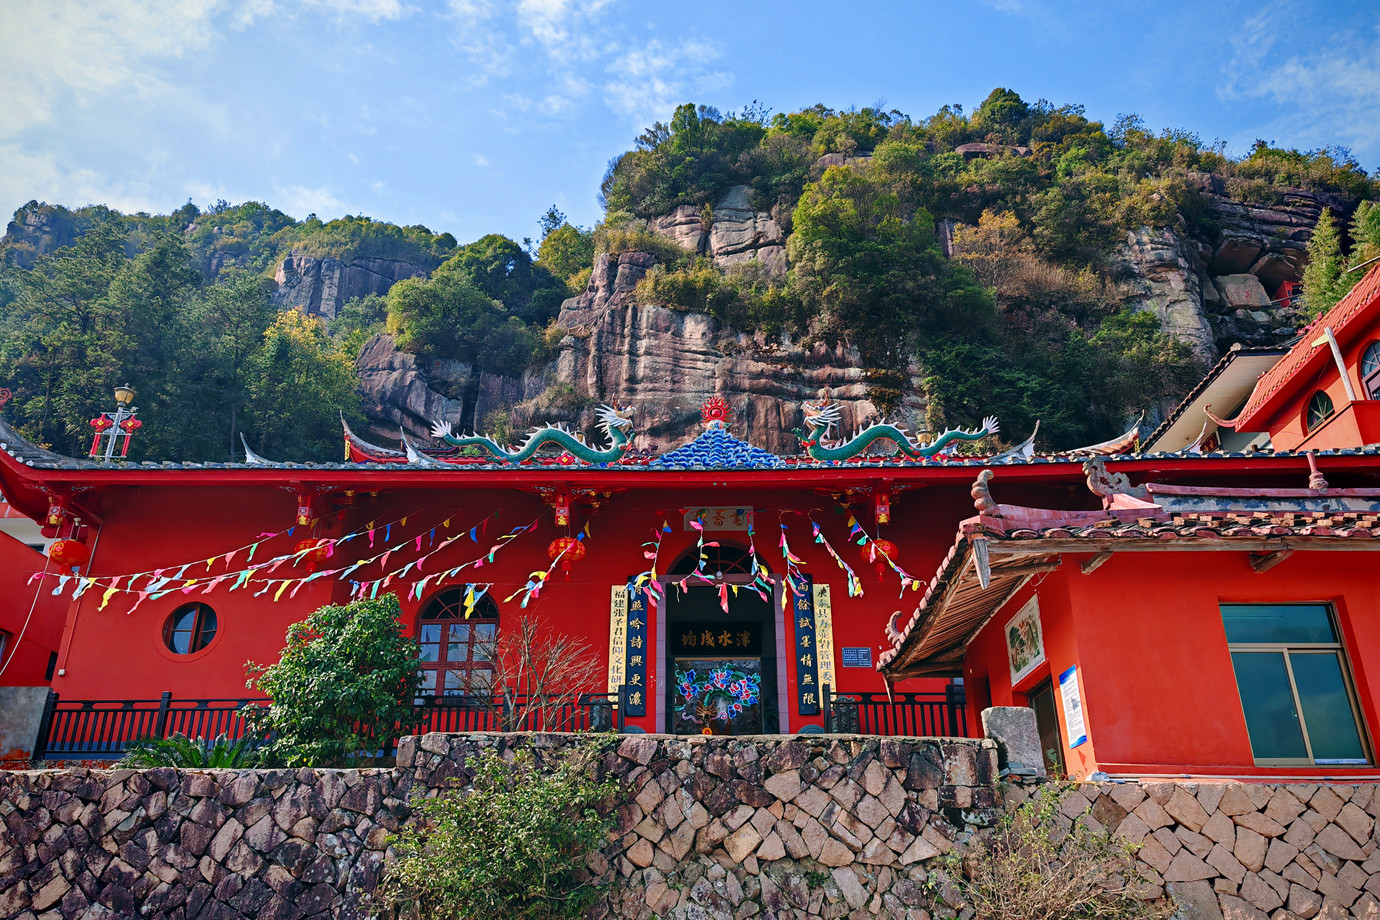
(615, 420)
(823, 416)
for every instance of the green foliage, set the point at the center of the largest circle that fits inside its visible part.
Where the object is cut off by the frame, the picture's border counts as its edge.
(358, 321)
(357, 236)
(566, 251)
(514, 845)
(177, 750)
(342, 688)
(503, 271)
(300, 382)
(448, 317)
(1323, 283)
(1039, 865)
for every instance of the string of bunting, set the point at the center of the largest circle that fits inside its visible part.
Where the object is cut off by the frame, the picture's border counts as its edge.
(536, 580)
(855, 588)
(244, 577)
(855, 529)
(650, 550)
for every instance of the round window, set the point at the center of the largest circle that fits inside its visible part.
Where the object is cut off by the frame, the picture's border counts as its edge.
(1319, 409)
(190, 629)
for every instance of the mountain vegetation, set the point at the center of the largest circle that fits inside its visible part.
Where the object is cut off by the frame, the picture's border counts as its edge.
(975, 251)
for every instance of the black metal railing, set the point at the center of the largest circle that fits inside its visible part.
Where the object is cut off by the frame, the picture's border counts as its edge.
(911, 714)
(103, 729)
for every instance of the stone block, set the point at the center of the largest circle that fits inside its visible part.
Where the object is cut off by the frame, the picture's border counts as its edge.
(1154, 816)
(1153, 853)
(1279, 855)
(1210, 796)
(1195, 900)
(1331, 887)
(640, 854)
(834, 853)
(1183, 806)
(1225, 862)
(1302, 902)
(1018, 739)
(852, 890)
(785, 785)
(1340, 844)
(1284, 807)
(1259, 894)
(1235, 801)
(742, 842)
(1167, 839)
(1326, 803)
(1355, 822)
(1186, 867)
(1234, 908)
(1250, 848)
(919, 850)
(1257, 822)
(1197, 844)
(1132, 829)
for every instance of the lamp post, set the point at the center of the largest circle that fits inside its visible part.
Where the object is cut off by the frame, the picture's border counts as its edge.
(110, 428)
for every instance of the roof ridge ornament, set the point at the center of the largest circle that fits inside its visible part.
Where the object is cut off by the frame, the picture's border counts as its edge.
(715, 413)
(822, 416)
(251, 458)
(615, 419)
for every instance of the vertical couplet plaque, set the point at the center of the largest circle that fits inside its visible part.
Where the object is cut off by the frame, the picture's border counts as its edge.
(824, 638)
(618, 637)
(806, 663)
(635, 666)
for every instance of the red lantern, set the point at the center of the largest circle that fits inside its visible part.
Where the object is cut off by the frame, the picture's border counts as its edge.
(568, 549)
(875, 550)
(314, 552)
(69, 552)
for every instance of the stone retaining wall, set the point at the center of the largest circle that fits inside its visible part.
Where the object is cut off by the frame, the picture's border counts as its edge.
(778, 827)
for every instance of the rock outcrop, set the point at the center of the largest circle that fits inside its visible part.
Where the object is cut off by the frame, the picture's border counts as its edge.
(1164, 279)
(37, 229)
(736, 235)
(321, 286)
(396, 395)
(667, 362)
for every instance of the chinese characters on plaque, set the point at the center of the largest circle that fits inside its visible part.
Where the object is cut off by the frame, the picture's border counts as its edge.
(710, 637)
(628, 647)
(719, 518)
(814, 645)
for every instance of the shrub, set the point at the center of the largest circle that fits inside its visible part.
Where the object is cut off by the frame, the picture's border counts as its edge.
(1037, 865)
(514, 845)
(343, 687)
(178, 750)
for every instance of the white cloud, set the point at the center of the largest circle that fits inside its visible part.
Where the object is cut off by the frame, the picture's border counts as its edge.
(299, 201)
(647, 82)
(480, 160)
(1327, 91)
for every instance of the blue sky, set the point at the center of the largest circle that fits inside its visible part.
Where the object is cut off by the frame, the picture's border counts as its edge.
(474, 115)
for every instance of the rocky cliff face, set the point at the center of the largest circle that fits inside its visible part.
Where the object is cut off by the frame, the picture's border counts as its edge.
(664, 362)
(735, 235)
(1219, 282)
(37, 229)
(321, 286)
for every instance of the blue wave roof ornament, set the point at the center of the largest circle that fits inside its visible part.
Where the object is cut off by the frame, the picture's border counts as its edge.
(716, 448)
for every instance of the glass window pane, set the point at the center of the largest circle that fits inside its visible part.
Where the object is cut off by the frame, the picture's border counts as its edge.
(428, 681)
(181, 641)
(1271, 720)
(480, 680)
(429, 651)
(1327, 711)
(484, 641)
(207, 626)
(455, 683)
(431, 632)
(1278, 624)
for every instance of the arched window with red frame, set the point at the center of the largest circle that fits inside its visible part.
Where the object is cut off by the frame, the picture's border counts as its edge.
(457, 651)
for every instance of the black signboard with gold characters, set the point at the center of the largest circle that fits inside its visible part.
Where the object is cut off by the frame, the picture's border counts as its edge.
(806, 664)
(711, 639)
(638, 654)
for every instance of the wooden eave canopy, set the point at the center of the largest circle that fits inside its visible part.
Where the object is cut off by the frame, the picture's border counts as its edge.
(959, 605)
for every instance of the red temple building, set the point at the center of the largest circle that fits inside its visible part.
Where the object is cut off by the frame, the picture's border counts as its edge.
(1202, 610)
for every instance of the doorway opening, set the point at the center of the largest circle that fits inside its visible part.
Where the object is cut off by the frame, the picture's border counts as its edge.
(721, 667)
(1041, 699)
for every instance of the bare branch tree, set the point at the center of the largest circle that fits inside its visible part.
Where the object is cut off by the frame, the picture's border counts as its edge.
(539, 676)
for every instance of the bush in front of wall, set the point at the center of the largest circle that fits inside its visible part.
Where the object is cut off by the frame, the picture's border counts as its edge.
(343, 688)
(177, 750)
(513, 844)
(1038, 864)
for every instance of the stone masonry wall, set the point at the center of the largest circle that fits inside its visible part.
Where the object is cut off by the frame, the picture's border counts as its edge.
(771, 827)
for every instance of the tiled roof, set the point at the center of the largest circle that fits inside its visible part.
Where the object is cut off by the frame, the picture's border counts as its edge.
(1226, 361)
(955, 606)
(1347, 310)
(715, 448)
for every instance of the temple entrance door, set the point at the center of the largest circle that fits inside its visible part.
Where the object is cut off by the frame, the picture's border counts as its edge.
(721, 668)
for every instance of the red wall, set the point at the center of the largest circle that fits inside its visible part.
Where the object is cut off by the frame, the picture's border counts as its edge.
(1287, 421)
(1145, 631)
(25, 659)
(115, 654)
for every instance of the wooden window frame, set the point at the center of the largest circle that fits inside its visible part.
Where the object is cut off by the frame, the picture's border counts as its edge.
(451, 601)
(198, 628)
(1370, 382)
(1309, 425)
(1338, 649)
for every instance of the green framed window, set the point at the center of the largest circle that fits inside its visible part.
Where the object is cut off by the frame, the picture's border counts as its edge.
(1295, 686)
